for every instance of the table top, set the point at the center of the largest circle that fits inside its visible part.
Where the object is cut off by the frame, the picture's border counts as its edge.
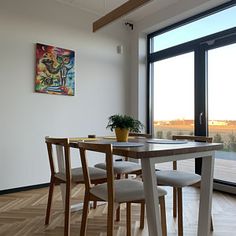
(152, 149)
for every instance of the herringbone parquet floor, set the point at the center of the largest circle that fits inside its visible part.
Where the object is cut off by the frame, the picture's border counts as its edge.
(22, 214)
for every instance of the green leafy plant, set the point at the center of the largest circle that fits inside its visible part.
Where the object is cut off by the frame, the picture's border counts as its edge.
(124, 122)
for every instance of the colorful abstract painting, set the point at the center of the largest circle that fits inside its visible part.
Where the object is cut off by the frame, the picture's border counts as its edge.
(55, 72)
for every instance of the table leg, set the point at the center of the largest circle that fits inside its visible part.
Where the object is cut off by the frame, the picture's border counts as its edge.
(206, 195)
(151, 197)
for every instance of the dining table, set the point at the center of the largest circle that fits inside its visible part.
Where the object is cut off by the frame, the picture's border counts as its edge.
(153, 151)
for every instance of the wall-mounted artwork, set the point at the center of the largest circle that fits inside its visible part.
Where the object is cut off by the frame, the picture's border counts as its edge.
(55, 72)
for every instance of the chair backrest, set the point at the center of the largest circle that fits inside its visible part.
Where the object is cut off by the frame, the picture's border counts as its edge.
(131, 134)
(107, 150)
(191, 138)
(59, 156)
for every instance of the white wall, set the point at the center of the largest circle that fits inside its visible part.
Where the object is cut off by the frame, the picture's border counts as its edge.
(102, 81)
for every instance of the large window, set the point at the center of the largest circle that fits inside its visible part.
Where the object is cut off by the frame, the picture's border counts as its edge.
(207, 25)
(192, 82)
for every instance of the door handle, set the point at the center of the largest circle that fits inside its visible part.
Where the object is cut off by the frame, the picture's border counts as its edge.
(201, 118)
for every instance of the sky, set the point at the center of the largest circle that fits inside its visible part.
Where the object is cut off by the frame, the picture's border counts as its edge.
(222, 83)
(174, 77)
(174, 88)
(212, 24)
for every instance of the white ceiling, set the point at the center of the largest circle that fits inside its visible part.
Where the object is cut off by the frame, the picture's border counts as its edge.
(102, 7)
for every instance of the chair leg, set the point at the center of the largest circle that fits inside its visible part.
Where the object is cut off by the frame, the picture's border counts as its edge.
(174, 202)
(118, 176)
(212, 225)
(49, 204)
(142, 215)
(67, 211)
(128, 219)
(94, 204)
(110, 219)
(118, 213)
(84, 220)
(163, 215)
(180, 212)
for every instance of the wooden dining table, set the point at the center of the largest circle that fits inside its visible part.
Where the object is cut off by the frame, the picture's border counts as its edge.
(153, 151)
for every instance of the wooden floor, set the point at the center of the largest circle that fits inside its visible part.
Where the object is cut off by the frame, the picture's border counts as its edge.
(23, 214)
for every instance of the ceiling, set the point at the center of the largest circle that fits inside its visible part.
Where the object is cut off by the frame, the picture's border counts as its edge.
(102, 7)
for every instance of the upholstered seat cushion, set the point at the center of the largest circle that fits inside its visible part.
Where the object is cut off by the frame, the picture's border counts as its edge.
(121, 167)
(125, 190)
(77, 174)
(175, 178)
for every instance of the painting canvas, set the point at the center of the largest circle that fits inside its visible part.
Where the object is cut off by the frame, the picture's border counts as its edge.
(55, 72)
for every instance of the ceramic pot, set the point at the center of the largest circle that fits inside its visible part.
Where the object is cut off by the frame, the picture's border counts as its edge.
(121, 135)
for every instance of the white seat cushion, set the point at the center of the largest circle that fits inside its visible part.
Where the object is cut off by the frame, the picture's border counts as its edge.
(121, 167)
(176, 178)
(77, 174)
(125, 190)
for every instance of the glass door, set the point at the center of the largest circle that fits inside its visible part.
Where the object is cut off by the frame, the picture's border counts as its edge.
(173, 99)
(222, 111)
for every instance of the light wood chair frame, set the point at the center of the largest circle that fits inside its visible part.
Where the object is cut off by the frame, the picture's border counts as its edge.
(138, 173)
(107, 149)
(64, 142)
(67, 179)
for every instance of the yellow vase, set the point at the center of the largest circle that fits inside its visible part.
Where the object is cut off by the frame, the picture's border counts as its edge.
(122, 135)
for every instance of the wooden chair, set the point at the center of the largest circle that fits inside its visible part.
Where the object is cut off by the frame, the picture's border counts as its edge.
(179, 179)
(61, 173)
(115, 191)
(123, 168)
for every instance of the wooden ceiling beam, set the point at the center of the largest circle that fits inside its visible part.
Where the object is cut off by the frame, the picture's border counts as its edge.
(125, 8)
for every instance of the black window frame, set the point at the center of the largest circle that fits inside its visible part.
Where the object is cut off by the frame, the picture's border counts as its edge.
(199, 47)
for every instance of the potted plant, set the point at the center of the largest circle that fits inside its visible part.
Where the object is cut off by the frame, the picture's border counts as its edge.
(123, 124)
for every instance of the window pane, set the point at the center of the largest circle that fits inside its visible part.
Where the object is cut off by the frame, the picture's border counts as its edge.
(222, 112)
(174, 101)
(208, 25)
(174, 89)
